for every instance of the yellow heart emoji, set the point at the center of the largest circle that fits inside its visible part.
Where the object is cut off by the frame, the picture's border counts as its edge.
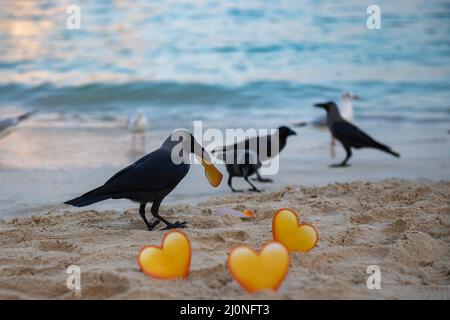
(170, 260)
(256, 272)
(295, 236)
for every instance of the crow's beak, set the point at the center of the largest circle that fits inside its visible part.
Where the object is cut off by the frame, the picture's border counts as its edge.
(213, 175)
(319, 105)
(292, 133)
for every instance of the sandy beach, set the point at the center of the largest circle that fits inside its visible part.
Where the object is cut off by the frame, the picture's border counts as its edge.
(399, 225)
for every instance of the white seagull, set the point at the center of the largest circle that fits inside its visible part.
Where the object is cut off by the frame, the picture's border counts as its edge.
(8, 125)
(137, 124)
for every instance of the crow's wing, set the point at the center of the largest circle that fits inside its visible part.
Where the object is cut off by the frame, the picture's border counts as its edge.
(230, 151)
(349, 134)
(155, 171)
(250, 144)
(241, 145)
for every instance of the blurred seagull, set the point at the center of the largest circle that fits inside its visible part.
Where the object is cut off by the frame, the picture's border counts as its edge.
(138, 124)
(9, 124)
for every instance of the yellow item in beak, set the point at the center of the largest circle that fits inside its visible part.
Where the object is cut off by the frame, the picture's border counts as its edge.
(213, 175)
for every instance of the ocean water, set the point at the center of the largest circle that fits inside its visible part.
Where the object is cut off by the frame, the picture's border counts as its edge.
(264, 60)
(231, 64)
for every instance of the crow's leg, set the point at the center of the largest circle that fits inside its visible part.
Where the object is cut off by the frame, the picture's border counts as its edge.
(169, 225)
(348, 156)
(261, 179)
(150, 226)
(348, 150)
(245, 174)
(230, 177)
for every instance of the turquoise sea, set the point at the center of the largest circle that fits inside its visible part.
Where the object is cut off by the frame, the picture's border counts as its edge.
(259, 60)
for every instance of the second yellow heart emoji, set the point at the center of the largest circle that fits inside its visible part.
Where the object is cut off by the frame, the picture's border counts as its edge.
(170, 260)
(259, 271)
(295, 236)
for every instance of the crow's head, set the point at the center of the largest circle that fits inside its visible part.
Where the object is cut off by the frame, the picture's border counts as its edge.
(285, 132)
(328, 106)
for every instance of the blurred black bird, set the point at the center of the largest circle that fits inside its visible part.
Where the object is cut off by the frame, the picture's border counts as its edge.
(243, 159)
(153, 177)
(348, 134)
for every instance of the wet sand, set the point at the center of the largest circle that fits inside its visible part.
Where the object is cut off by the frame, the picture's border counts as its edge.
(401, 226)
(49, 160)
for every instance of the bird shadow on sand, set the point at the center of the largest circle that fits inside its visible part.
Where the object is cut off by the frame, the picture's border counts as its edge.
(338, 165)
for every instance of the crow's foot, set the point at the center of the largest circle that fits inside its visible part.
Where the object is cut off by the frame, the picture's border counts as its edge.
(175, 225)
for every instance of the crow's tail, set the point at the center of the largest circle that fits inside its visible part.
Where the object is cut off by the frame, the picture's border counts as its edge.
(387, 149)
(89, 198)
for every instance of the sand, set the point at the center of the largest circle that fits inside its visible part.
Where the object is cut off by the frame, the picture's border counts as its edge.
(399, 225)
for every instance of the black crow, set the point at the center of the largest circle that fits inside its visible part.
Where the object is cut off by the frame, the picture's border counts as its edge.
(348, 134)
(153, 177)
(243, 159)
